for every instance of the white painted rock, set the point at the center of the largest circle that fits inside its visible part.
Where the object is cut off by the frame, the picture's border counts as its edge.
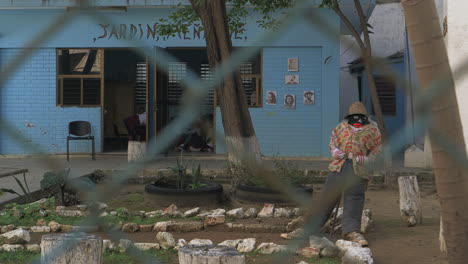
(200, 242)
(344, 245)
(99, 206)
(59, 208)
(218, 211)
(146, 246)
(282, 213)
(251, 213)
(153, 213)
(192, 212)
(82, 207)
(161, 226)
(12, 248)
(246, 245)
(124, 245)
(302, 262)
(166, 240)
(7, 228)
(270, 248)
(236, 213)
(33, 248)
(267, 211)
(54, 226)
(297, 212)
(212, 220)
(41, 222)
(203, 214)
(39, 229)
(357, 255)
(107, 245)
(18, 236)
(170, 210)
(230, 243)
(366, 221)
(130, 228)
(72, 213)
(181, 242)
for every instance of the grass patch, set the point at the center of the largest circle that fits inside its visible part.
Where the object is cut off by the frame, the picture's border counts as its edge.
(164, 256)
(317, 260)
(18, 257)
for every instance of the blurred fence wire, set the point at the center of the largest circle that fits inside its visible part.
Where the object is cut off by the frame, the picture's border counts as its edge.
(190, 110)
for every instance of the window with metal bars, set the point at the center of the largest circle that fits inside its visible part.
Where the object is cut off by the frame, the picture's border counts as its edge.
(79, 78)
(386, 90)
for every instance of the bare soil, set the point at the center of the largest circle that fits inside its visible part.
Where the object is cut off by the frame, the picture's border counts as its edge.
(391, 241)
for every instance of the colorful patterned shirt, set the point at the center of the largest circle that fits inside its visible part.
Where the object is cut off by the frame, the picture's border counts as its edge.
(365, 141)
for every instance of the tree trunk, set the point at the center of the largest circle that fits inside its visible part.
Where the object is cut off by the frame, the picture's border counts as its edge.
(210, 254)
(410, 200)
(240, 135)
(76, 248)
(451, 178)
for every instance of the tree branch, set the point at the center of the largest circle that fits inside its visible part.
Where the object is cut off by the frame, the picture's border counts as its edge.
(363, 22)
(337, 10)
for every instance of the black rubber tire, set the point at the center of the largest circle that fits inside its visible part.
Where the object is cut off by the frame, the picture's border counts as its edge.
(165, 194)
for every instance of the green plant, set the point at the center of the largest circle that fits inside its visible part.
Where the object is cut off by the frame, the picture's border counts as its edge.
(196, 178)
(289, 172)
(24, 188)
(242, 173)
(52, 179)
(60, 183)
(180, 171)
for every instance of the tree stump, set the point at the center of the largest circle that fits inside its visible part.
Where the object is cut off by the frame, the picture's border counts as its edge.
(210, 254)
(76, 248)
(136, 150)
(410, 200)
(443, 246)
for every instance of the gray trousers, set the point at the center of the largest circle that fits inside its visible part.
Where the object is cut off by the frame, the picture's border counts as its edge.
(353, 187)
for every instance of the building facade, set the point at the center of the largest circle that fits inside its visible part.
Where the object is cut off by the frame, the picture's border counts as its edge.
(101, 69)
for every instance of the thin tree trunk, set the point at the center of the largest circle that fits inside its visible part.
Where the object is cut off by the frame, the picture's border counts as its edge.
(451, 178)
(240, 135)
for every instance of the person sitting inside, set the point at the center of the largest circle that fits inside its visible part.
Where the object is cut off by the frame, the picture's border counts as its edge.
(197, 138)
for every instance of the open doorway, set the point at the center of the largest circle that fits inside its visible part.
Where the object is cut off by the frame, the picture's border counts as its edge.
(125, 93)
(199, 138)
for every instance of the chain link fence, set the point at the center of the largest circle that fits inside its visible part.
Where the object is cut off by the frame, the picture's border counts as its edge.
(190, 110)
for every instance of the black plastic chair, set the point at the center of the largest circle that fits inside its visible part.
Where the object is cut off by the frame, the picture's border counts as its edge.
(79, 130)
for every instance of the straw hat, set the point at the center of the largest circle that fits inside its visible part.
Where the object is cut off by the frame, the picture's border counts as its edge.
(357, 108)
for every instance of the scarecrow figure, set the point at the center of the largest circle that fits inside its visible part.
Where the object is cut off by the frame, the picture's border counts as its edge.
(353, 143)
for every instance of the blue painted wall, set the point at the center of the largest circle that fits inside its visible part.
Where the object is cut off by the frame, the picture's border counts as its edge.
(303, 131)
(28, 103)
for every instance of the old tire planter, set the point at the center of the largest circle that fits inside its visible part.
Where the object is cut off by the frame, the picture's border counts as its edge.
(254, 194)
(164, 194)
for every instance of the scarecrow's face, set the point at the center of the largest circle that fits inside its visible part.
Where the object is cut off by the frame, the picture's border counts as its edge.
(358, 120)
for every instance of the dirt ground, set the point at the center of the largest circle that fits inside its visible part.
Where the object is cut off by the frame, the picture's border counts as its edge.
(391, 242)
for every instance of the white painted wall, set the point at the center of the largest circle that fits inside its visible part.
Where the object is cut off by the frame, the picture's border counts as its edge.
(457, 49)
(388, 38)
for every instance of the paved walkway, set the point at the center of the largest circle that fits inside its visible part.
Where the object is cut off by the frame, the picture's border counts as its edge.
(83, 164)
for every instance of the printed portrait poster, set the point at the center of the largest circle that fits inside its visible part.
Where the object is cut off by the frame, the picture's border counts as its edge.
(271, 97)
(293, 64)
(309, 97)
(291, 79)
(289, 101)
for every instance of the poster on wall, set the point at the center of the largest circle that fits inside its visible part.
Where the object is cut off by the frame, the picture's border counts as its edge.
(293, 64)
(309, 97)
(289, 101)
(291, 79)
(271, 98)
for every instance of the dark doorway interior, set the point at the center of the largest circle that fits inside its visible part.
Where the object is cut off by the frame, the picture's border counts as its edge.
(199, 138)
(125, 82)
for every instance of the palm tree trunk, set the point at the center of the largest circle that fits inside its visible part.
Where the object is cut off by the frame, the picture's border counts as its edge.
(451, 178)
